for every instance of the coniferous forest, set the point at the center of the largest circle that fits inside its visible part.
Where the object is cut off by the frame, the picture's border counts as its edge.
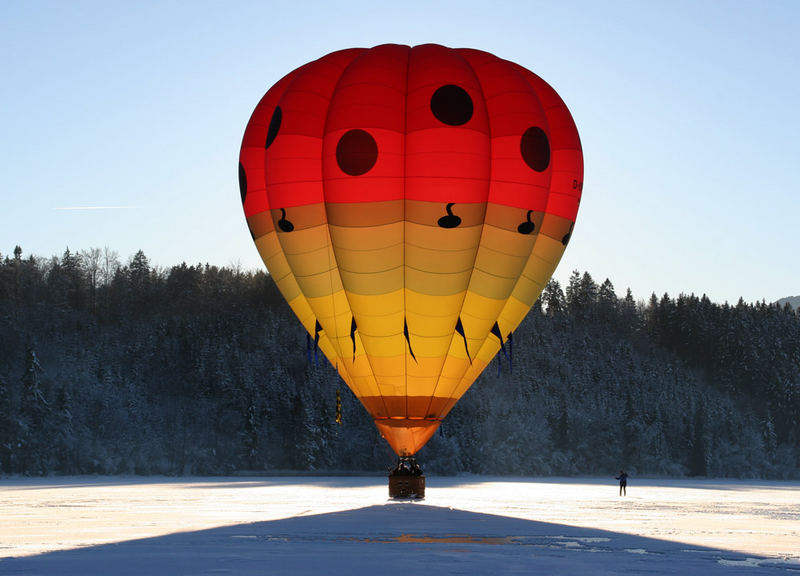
(112, 367)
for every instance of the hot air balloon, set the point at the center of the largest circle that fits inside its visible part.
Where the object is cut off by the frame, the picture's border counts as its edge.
(411, 203)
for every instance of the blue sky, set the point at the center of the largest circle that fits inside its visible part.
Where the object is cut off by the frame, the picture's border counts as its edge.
(688, 115)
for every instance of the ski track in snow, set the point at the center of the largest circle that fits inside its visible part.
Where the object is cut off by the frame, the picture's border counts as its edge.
(327, 525)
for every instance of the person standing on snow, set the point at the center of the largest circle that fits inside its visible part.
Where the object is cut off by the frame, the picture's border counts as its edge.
(623, 482)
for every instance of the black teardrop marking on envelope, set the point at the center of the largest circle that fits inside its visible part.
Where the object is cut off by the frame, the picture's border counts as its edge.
(242, 182)
(317, 330)
(285, 224)
(353, 329)
(460, 330)
(451, 220)
(568, 235)
(496, 332)
(527, 227)
(408, 339)
(274, 126)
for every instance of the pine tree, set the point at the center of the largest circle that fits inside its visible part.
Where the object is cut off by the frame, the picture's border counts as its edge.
(33, 419)
(560, 428)
(139, 283)
(8, 430)
(697, 454)
(607, 302)
(64, 434)
(91, 263)
(630, 433)
(629, 313)
(553, 298)
(250, 434)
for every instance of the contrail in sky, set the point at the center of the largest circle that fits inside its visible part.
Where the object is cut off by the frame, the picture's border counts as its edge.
(93, 207)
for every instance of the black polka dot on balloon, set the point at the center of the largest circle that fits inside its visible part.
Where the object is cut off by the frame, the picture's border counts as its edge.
(274, 126)
(535, 149)
(451, 105)
(242, 182)
(356, 152)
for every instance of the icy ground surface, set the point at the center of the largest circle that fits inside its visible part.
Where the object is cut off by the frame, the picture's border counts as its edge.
(332, 526)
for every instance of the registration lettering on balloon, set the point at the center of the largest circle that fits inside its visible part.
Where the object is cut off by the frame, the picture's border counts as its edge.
(430, 193)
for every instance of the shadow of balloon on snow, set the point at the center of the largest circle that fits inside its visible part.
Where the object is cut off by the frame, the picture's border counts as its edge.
(394, 538)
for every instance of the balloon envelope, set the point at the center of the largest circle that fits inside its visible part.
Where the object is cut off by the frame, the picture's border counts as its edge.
(411, 204)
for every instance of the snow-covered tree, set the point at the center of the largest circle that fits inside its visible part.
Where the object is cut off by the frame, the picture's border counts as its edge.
(34, 412)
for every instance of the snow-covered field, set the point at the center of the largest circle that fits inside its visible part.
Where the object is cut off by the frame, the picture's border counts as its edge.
(332, 526)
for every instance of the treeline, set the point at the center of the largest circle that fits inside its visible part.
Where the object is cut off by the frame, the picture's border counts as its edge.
(111, 367)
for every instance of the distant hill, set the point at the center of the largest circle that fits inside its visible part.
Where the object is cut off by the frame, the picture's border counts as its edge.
(793, 300)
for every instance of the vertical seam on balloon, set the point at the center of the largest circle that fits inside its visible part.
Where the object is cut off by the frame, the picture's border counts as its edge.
(522, 77)
(330, 240)
(327, 228)
(297, 74)
(469, 282)
(405, 268)
(334, 343)
(521, 73)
